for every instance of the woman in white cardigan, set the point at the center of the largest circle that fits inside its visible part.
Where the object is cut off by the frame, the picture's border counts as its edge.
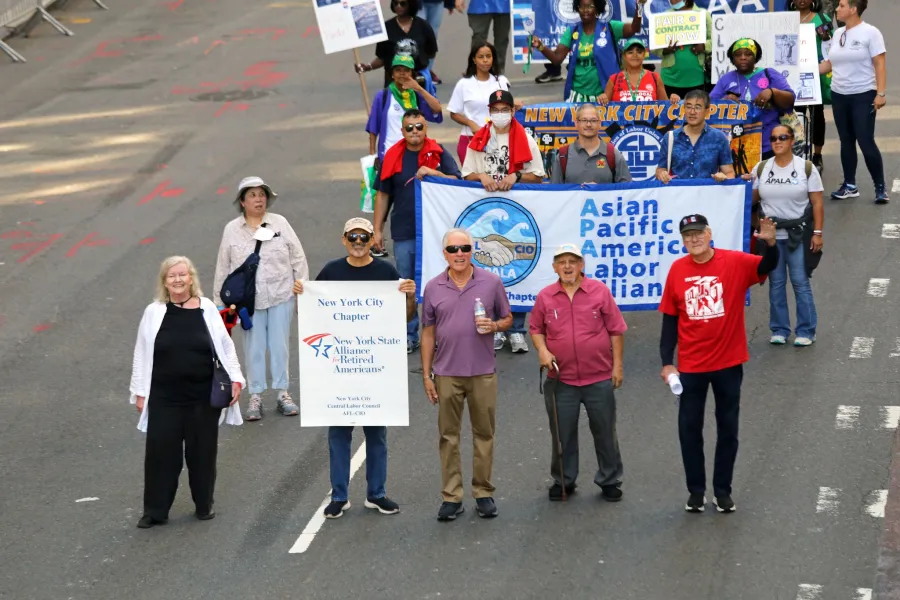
(173, 359)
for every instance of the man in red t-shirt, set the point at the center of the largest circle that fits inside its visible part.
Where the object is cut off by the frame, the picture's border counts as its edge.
(703, 314)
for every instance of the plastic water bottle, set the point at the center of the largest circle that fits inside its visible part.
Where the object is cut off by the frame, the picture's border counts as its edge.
(675, 384)
(479, 313)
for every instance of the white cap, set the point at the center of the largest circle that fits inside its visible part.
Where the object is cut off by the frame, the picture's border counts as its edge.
(568, 249)
(252, 182)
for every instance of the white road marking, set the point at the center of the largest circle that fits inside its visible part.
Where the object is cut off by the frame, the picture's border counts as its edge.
(862, 347)
(878, 287)
(846, 418)
(875, 503)
(863, 594)
(890, 416)
(828, 502)
(896, 188)
(91, 499)
(318, 519)
(890, 231)
(809, 591)
(896, 352)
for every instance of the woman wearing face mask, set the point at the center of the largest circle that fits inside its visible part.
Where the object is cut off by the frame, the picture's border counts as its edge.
(407, 34)
(683, 68)
(811, 12)
(469, 103)
(634, 83)
(767, 89)
(592, 50)
(856, 62)
(789, 191)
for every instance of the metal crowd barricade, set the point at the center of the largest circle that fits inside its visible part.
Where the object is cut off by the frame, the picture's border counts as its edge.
(15, 13)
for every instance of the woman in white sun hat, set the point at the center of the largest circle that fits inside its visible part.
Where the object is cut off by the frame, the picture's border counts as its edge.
(282, 265)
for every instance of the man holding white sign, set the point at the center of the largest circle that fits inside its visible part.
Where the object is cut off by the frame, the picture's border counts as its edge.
(358, 266)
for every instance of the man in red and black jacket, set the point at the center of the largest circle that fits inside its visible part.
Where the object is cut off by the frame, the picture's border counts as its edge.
(703, 314)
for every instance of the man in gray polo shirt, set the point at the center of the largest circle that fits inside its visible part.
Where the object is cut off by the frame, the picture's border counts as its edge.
(586, 160)
(465, 370)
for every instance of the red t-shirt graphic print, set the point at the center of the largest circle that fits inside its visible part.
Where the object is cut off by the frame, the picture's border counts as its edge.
(708, 300)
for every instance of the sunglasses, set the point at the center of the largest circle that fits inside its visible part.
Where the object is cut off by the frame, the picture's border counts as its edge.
(466, 248)
(416, 126)
(843, 39)
(780, 138)
(358, 237)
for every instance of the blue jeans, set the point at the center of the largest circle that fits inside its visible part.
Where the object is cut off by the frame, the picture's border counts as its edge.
(854, 119)
(271, 330)
(779, 315)
(339, 439)
(434, 14)
(518, 324)
(405, 257)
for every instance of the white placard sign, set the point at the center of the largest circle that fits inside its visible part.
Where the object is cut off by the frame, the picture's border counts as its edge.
(778, 33)
(809, 89)
(348, 24)
(685, 28)
(353, 364)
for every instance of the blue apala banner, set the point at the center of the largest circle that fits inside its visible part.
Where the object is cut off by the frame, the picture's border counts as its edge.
(553, 17)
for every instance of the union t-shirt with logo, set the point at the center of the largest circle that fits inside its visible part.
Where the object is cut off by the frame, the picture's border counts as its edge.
(708, 300)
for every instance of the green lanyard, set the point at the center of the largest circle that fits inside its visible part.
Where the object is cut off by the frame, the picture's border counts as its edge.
(634, 90)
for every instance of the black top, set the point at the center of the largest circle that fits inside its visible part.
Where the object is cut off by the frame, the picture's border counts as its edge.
(340, 270)
(420, 43)
(182, 358)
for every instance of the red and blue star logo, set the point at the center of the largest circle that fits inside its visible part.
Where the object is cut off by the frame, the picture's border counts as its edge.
(317, 343)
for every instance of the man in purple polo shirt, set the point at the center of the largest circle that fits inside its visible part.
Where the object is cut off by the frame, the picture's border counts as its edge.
(576, 324)
(464, 368)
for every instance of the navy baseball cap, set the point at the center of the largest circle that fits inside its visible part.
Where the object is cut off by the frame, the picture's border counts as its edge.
(693, 223)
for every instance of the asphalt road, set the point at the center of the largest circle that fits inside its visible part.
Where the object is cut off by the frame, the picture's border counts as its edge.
(123, 145)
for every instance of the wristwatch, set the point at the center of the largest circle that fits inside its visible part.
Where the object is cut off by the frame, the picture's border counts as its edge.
(882, 94)
(518, 176)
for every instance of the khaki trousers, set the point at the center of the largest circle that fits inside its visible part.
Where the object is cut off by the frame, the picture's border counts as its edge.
(481, 393)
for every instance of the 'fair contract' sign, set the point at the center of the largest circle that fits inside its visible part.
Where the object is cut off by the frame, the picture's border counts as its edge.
(353, 364)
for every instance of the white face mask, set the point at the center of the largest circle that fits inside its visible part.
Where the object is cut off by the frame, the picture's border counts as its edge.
(501, 120)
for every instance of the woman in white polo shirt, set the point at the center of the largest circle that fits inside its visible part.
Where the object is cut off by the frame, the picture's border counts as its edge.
(789, 190)
(469, 103)
(856, 61)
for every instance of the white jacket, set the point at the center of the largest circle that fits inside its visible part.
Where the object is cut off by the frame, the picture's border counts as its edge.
(142, 366)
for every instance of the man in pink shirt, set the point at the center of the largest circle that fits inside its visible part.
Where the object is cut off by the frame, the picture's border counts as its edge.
(577, 314)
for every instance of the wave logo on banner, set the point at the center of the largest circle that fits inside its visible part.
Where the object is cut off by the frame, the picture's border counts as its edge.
(317, 343)
(640, 145)
(507, 238)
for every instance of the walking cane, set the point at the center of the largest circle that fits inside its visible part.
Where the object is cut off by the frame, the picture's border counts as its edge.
(559, 451)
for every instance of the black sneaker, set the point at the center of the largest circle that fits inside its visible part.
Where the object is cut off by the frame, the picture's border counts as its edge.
(205, 516)
(546, 77)
(555, 492)
(335, 509)
(485, 508)
(384, 505)
(611, 493)
(881, 195)
(147, 522)
(450, 510)
(724, 504)
(696, 503)
(817, 163)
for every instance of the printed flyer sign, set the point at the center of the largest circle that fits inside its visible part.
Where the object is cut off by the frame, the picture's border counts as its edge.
(683, 27)
(809, 89)
(637, 131)
(628, 232)
(348, 24)
(353, 366)
(777, 33)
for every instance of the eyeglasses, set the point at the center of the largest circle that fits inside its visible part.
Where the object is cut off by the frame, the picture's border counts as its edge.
(502, 111)
(780, 138)
(417, 126)
(358, 237)
(588, 121)
(694, 108)
(588, 8)
(465, 248)
(843, 39)
(692, 235)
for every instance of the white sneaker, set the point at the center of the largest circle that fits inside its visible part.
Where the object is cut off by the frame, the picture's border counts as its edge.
(804, 341)
(499, 340)
(778, 340)
(517, 343)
